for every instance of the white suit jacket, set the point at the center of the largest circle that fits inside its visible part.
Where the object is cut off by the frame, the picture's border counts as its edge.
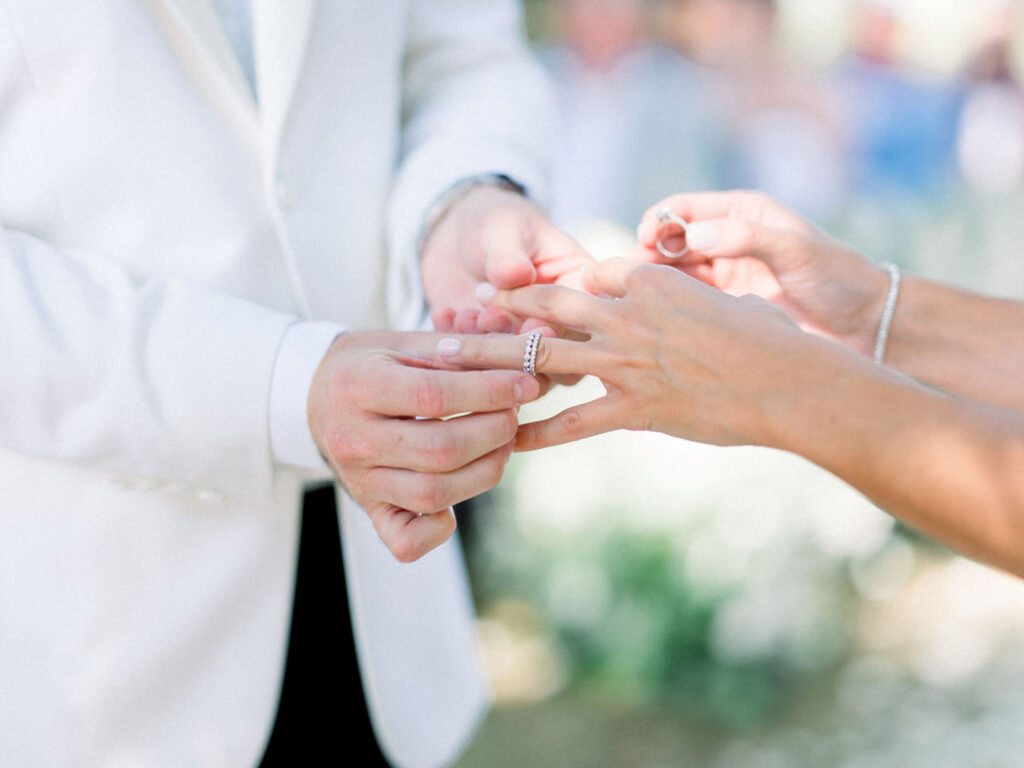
(161, 229)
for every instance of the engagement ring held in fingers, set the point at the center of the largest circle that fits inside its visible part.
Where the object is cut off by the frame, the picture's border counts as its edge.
(667, 218)
(530, 355)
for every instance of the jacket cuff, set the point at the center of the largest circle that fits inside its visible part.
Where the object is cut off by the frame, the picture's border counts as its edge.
(302, 348)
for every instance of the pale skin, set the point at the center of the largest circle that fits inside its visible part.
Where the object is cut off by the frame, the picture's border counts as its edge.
(496, 236)
(938, 443)
(955, 340)
(381, 414)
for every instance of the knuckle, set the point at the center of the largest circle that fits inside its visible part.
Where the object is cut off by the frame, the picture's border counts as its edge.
(358, 484)
(442, 452)
(407, 549)
(429, 495)
(750, 300)
(346, 386)
(571, 423)
(545, 302)
(499, 391)
(762, 306)
(429, 397)
(643, 277)
(342, 449)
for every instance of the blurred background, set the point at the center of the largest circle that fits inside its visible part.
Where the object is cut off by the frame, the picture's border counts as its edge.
(646, 602)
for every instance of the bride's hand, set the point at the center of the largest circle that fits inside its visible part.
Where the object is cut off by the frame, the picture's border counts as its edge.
(674, 355)
(745, 242)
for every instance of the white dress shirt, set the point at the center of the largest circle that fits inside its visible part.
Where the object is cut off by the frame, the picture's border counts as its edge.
(236, 16)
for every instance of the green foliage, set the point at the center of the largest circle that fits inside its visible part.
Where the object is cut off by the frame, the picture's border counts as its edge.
(628, 621)
(655, 640)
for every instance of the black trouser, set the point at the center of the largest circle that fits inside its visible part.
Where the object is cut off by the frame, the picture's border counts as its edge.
(322, 709)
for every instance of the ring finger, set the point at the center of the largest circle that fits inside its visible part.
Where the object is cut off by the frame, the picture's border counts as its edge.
(553, 357)
(562, 307)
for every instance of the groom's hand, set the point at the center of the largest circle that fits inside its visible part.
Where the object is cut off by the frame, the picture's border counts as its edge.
(407, 440)
(493, 235)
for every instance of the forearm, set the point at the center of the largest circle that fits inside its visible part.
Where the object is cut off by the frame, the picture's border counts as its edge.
(681, 358)
(159, 379)
(960, 342)
(952, 468)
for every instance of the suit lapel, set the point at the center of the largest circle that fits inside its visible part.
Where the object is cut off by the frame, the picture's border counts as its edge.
(281, 30)
(197, 30)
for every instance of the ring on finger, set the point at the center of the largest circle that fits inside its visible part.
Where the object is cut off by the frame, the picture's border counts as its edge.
(667, 218)
(530, 355)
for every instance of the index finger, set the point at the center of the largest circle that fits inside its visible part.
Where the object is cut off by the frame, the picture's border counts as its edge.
(552, 304)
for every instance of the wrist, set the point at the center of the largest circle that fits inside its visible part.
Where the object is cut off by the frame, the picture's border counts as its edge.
(920, 329)
(794, 404)
(867, 328)
(451, 199)
(804, 414)
(486, 228)
(888, 310)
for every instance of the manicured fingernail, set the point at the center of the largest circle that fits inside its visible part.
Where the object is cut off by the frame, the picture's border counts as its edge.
(448, 347)
(526, 389)
(485, 293)
(702, 235)
(644, 232)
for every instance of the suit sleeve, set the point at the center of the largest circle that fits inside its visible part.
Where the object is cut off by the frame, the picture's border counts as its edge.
(474, 103)
(157, 379)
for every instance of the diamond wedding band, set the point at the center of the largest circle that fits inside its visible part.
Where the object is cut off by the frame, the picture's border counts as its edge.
(530, 355)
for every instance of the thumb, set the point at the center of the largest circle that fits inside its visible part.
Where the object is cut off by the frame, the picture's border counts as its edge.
(507, 261)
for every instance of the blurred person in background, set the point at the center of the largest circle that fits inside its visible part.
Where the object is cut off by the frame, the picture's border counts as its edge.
(900, 125)
(910, 391)
(636, 117)
(782, 134)
(990, 139)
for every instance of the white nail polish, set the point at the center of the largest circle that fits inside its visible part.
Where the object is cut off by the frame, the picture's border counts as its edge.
(485, 292)
(702, 235)
(448, 347)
